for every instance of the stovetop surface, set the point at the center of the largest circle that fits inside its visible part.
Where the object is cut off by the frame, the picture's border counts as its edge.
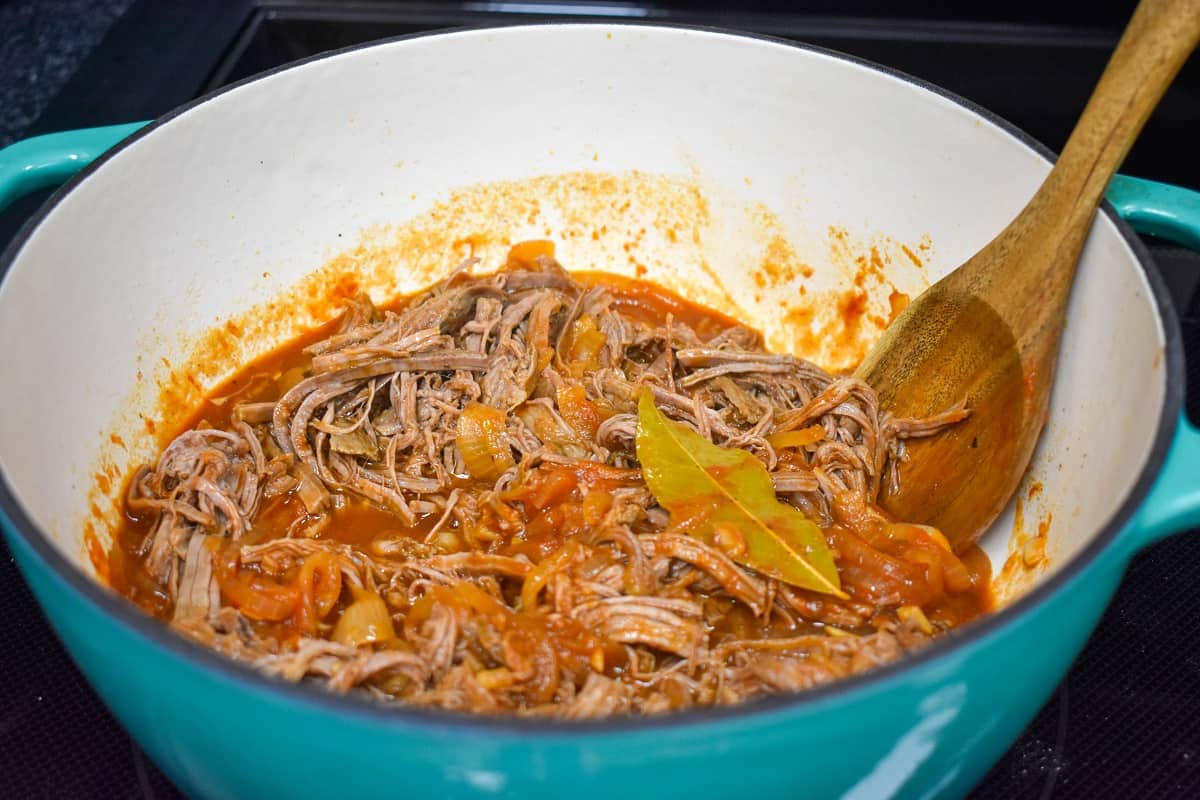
(1126, 720)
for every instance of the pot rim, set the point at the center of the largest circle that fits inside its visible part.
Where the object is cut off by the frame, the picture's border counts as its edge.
(156, 634)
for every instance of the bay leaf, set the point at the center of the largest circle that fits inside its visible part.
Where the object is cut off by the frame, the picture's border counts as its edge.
(724, 497)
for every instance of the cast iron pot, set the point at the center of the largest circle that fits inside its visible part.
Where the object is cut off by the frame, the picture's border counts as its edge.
(221, 205)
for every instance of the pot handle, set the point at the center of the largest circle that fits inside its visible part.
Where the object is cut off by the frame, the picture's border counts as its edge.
(40, 162)
(1173, 213)
(1173, 504)
(1158, 209)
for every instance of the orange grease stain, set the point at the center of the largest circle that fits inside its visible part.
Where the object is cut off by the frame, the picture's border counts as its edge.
(836, 327)
(852, 308)
(1027, 556)
(897, 301)
(780, 263)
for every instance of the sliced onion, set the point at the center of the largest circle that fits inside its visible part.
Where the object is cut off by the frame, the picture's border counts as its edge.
(547, 427)
(365, 620)
(911, 532)
(483, 441)
(320, 585)
(801, 438)
(256, 596)
(581, 350)
(539, 576)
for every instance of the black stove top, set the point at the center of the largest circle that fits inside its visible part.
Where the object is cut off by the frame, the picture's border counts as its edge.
(1126, 720)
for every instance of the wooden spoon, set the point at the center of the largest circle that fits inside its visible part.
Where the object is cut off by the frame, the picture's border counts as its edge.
(988, 333)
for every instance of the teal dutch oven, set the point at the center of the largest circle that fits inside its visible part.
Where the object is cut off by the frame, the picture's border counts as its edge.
(603, 137)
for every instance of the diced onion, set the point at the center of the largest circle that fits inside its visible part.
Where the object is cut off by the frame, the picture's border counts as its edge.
(365, 620)
(483, 441)
(582, 346)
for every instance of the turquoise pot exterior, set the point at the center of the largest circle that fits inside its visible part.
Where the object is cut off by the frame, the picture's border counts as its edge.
(928, 728)
(930, 731)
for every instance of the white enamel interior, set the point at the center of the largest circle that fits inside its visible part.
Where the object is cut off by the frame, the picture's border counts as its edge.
(175, 233)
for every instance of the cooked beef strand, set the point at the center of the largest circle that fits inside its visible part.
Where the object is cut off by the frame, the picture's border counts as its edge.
(554, 586)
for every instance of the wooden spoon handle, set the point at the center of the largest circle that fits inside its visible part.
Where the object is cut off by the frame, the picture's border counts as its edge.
(1155, 45)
